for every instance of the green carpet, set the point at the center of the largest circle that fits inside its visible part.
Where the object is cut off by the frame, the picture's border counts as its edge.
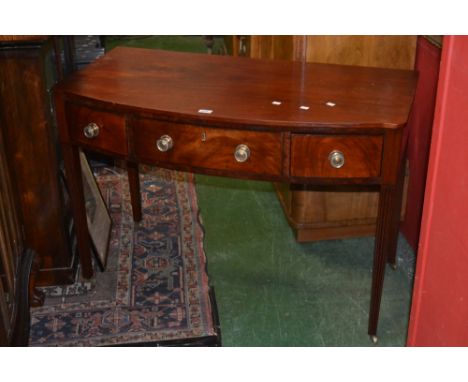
(272, 291)
(195, 44)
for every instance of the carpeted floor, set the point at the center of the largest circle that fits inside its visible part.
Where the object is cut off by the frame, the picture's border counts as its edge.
(155, 288)
(273, 291)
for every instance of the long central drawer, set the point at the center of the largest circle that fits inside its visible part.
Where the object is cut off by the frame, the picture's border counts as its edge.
(250, 152)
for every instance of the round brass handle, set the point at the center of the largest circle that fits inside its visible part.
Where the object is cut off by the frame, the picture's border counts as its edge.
(164, 143)
(336, 159)
(91, 130)
(242, 153)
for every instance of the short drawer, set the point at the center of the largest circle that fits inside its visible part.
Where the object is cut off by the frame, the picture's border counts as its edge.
(208, 148)
(340, 156)
(97, 129)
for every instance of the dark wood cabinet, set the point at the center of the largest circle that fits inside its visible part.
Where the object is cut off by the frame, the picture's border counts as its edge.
(29, 66)
(11, 247)
(15, 265)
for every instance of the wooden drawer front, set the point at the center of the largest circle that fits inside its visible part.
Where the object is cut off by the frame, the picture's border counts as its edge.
(310, 156)
(210, 148)
(111, 137)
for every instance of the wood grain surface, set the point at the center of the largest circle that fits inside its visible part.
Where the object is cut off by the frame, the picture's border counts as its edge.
(309, 156)
(22, 38)
(241, 91)
(395, 52)
(33, 157)
(209, 148)
(112, 131)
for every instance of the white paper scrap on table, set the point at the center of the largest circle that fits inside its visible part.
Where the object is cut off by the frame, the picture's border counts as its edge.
(205, 111)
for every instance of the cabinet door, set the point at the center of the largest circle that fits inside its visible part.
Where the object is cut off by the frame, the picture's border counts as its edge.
(392, 52)
(10, 250)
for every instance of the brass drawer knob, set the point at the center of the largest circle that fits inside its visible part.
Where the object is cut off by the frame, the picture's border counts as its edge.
(91, 130)
(242, 153)
(164, 143)
(336, 159)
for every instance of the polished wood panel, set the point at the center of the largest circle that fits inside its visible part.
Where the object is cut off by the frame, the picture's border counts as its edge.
(165, 84)
(112, 131)
(278, 47)
(209, 148)
(394, 52)
(310, 156)
(6, 39)
(325, 213)
(273, 47)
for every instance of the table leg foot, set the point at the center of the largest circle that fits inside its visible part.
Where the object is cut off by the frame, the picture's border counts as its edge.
(374, 339)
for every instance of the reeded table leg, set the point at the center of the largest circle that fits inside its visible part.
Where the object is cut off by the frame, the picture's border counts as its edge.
(392, 241)
(384, 234)
(71, 160)
(134, 183)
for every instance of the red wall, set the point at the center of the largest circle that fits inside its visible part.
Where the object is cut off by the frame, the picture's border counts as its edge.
(420, 126)
(439, 312)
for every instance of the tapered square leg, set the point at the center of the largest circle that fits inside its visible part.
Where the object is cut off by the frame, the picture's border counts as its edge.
(384, 234)
(71, 160)
(135, 196)
(392, 240)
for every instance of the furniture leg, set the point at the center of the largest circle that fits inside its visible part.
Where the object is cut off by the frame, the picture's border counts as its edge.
(21, 329)
(392, 241)
(383, 234)
(36, 297)
(71, 160)
(135, 196)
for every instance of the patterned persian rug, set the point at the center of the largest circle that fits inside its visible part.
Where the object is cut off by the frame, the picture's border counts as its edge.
(155, 287)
